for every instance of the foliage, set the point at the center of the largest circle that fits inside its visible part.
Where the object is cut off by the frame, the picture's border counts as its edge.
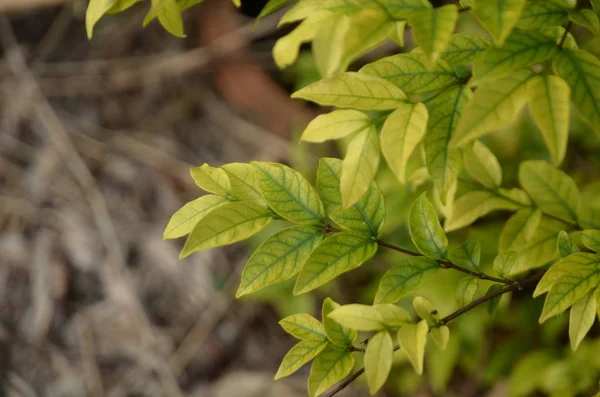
(436, 114)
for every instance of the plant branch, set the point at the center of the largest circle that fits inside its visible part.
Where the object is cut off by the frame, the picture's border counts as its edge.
(561, 43)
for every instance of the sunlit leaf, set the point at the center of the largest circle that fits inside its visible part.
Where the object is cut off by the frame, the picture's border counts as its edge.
(211, 179)
(337, 333)
(441, 336)
(402, 131)
(279, 257)
(304, 327)
(360, 166)
(464, 48)
(425, 229)
(581, 318)
(591, 239)
(552, 190)
(328, 44)
(168, 14)
(243, 183)
(96, 10)
(331, 366)
(504, 263)
(271, 7)
(541, 248)
(337, 254)
(355, 90)
(394, 316)
(586, 18)
(412, 339)
(289, 194)
(183, 221)
(227, 224)
(498, 16)
(540, 14)
(378, 360)
(365, 216)
(482, 165)
(426, 310)
(359, 317)
(465, 290)
(306, 8)
(549, 101)
(466, 255)
(403, 278)
(397, 33)
(286, 49)
(401, 9)
(336, 125)
(433, 27)
(299, 355)
(519, 229)
(565, 244)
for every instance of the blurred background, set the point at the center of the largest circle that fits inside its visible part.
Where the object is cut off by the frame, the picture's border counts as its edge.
(96, 141)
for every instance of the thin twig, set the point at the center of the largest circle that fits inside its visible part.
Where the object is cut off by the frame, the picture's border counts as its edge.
(561, 43)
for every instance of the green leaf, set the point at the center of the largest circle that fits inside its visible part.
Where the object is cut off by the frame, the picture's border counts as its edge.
(299, 355)
(522, 49)
(441, 336)
(337, 333)
(444, 163)
(581, 318)
(412, 72)
(183, 221)
(228, 224)
(168, 14)
(331, 366)
(540, 14)
(473, 205)
(401, 9)
(482, 165)
(122, 5)
(581, 71)
(337, 254)
(465, 290)
(493, 303)
(96, 10)
(426, 310)
(359, 317)
(591, 239)
(549, 101)
(355, 90)
(466, 255)
(242, 180)
(185, 4)
(394, 316)
(519, 229)
(464, 48)
(402, 131)
(289, 194)
(360, 166)
(328, 44)
(586, 18)
(498, 16)
(378, 360)
(504, 263)
(412, 339)
(279, 257)
(286, 49)
(584, 275)
(271, 7)
(335, 125)
(494, 104)
(565, 244)
(425, 229)
(366, 216)
(432, 29)
(397, 33)
(304, 327)
(211, 179)
(541, 248)
(306, 8)
(403, 278)
(551, 189)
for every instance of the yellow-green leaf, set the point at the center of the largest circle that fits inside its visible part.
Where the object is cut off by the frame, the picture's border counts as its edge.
(183, 221)
(403, 278)
(412, 339)
(467, 254)
(465, 290)
(394, 316)
(402, 131)
(412, 72)
(359, 317)
(397, 33)
(306, 8)
(519, 229)
(331, 366)
(378, 360)
(425, 229)
(354, 90)
(402, 9)
(464, 48)
(96, 10)
(444, 163)
(494, 104)
(337, 254)
(565, 244)
(360, 166)
(286, 49)
(522, 49)
(299, 355)
(432, 29)
(271, 7)
(242, 181)
(211, 179)
(581, 71)
(289, 194)
(279, 257)
(482, 165)
(304, 327)
(441, 336)
(337, 333)
(366, 216)
(552, 190)
(328, 44)
(498, 16)
(168, 14)
(540, 14)
(504, 263)
(591, 239)
(426, 310)
(549, 101)
(228, 224)
(336, 125)
(586, 18)
(581, 318)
